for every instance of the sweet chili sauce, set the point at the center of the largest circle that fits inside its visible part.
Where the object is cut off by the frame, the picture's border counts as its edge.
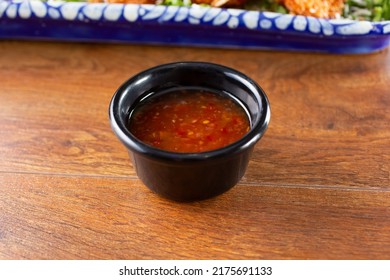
(189, 121)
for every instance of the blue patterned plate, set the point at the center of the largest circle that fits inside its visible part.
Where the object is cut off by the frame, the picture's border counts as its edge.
(187, 26)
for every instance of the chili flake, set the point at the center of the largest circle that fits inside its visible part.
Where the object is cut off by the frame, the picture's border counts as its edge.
(189, 121)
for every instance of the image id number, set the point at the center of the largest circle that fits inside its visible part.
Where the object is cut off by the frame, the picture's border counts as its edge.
(232, 270)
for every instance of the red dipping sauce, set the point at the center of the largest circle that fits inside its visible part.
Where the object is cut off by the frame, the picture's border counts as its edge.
(189, 121)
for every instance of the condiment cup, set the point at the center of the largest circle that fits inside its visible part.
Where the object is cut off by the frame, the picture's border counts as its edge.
(190, 176)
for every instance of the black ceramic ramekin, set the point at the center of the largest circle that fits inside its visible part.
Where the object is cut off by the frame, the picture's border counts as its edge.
(190, 176)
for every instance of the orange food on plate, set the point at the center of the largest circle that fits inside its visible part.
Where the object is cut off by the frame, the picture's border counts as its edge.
(315, 8)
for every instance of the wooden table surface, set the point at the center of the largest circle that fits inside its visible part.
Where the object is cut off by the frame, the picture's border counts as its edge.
(317, 186)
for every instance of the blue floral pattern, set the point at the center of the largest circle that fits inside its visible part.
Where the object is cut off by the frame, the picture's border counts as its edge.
(226, 20)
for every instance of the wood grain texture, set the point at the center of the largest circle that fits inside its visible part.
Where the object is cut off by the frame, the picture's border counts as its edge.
(103, 218)
(317, 186)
